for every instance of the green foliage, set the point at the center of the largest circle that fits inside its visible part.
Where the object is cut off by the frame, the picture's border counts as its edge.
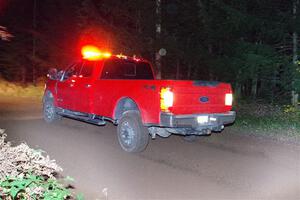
(269, 119)
(244, 42)
(252, 60)
(79, 196)
(127, 28)
(33, 186)
(297, 77)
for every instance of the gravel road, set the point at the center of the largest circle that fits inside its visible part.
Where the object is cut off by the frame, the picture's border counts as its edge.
(223, 166)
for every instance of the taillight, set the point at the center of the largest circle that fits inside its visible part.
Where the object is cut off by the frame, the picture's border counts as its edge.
(228, 99)
(166, 99)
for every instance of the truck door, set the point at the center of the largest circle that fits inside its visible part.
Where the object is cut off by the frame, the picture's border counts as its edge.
(83, 88)
(65, 87)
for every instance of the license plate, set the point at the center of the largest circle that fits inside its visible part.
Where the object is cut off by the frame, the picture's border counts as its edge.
(202, 119)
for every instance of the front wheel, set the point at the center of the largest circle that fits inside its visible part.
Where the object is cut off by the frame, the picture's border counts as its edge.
(133, 136)
(49, 112)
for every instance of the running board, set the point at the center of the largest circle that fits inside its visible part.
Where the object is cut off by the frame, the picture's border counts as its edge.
(92, 119)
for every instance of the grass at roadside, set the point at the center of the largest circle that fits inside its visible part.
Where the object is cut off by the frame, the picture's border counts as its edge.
(19, 90)
(268, 120)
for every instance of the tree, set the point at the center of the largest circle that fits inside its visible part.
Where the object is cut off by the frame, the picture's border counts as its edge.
(251, 44)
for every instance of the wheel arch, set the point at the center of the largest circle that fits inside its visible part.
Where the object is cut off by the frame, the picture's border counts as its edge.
(125, 104)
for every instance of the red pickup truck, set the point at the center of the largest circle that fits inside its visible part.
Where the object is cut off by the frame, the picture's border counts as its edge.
(123, 90)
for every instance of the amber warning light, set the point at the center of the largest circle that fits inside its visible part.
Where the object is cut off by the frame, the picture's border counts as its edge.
(90, 52)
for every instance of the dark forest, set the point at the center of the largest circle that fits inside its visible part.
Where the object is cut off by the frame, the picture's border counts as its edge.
(251, 44)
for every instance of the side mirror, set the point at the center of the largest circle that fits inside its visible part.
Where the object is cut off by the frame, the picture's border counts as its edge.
(52, 73)
(59, 75)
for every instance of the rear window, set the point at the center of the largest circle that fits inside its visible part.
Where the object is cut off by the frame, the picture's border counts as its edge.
(124, 69)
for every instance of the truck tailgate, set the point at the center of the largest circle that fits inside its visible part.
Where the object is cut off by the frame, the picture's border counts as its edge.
(192, 97)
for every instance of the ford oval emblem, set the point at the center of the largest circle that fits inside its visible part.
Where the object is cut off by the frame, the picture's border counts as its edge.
(204, 99)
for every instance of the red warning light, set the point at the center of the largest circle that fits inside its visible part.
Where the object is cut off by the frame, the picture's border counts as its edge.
(90, 52)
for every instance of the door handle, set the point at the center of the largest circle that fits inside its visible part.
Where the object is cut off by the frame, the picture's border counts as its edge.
(72, 83)
(88, 85)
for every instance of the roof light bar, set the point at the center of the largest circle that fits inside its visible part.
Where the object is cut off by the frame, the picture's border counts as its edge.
(90, 52)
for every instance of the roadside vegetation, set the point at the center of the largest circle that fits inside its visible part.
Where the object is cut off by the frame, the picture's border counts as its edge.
(13, 89)
(26, 173)
(268, 119)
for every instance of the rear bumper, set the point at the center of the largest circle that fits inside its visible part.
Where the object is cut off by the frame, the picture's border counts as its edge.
(215, 121)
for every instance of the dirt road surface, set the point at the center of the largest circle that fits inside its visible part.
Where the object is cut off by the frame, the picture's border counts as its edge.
(223, 166)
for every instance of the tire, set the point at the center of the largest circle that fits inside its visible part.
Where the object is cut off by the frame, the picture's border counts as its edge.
(190, 138)
(133, 136)
(49, 111)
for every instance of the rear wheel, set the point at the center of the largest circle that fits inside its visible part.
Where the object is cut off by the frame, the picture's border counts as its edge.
(133, 136)
(190, 138)
(49, 111)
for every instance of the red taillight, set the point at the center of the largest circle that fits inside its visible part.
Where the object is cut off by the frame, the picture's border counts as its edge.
(166, 99)
(228, 99)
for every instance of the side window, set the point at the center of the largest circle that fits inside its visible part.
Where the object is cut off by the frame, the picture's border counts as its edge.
(87, 69)
(71, 71)
(112, 70)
